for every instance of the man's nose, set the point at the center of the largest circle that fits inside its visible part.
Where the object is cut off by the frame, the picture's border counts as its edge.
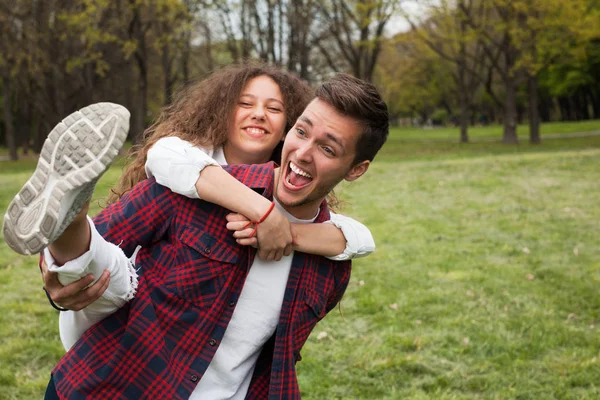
(304, 152)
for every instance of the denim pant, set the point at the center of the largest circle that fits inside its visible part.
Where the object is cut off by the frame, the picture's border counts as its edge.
(51, 391)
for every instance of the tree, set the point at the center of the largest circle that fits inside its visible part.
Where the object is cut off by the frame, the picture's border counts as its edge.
(355, 30)
(413, 79)
(447, 33)
(551, 30)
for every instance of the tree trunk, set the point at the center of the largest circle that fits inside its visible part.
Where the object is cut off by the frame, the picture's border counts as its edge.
(464, 108)
(167, 81)
(8, 122)
(584, 107)
(534, 116)
(510, 113)
(141, 107)
(595, 100)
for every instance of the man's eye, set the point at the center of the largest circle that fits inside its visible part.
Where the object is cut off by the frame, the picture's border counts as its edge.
(300, 132)
(328, 150)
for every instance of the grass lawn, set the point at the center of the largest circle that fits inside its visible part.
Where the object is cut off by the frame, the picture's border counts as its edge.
(484, 284)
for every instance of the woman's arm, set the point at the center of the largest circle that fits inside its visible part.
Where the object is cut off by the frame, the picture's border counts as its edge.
(341, 238)
(192, 172)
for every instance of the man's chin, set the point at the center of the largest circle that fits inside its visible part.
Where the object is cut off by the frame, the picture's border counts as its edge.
(290, 201)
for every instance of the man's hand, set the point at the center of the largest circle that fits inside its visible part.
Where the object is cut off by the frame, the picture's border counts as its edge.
(273, 236)
(75, 296)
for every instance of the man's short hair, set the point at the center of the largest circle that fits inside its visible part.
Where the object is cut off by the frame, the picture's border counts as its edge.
(360, 100)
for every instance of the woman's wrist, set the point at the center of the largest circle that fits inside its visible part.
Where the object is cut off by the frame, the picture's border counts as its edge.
(258, 207)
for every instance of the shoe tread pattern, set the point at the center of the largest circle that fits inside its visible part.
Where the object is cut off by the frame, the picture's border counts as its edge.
(74, 156)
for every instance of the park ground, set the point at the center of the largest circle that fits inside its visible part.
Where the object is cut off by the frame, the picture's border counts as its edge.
(484, 284)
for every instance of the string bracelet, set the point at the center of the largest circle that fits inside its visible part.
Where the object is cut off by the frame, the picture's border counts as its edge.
(52, 303)
(262, 219)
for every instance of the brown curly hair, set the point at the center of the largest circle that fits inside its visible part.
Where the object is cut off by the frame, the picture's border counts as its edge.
(202, 114)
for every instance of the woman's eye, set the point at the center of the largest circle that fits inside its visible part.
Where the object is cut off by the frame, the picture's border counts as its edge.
(274, 109)
(244, 104)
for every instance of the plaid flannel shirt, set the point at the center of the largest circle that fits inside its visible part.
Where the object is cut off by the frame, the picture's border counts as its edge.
(191, 275)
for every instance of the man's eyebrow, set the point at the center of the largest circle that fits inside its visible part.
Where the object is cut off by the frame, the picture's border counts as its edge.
(336, 140)
(306, 120)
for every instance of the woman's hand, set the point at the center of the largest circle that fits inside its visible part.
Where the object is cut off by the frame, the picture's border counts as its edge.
(273, 236)
(77, 295)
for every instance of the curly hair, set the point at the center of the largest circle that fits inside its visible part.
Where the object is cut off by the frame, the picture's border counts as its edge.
(202, 114)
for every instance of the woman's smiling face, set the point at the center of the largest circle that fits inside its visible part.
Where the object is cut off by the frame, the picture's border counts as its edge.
(258, 123)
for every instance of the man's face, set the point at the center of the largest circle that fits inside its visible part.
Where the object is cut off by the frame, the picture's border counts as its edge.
(317, 154)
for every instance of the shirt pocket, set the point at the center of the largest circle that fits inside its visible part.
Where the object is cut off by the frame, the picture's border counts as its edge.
(203, 264)
(311, 309)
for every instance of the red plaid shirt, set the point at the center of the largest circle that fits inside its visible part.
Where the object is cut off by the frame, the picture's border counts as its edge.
(192, 271)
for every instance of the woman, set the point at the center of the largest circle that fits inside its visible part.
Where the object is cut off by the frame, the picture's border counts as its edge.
(182, 150)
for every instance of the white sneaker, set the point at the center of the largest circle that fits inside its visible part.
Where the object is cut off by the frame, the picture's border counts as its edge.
(74, 156)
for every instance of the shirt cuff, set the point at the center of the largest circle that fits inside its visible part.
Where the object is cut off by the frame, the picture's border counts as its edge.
(72, 270)
(359, 241)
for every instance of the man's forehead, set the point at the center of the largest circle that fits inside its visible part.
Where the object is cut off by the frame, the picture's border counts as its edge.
(322, 115)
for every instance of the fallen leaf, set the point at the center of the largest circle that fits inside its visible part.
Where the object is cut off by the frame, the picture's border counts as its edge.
(418, 322)
(572, 316)
(526, 250)
(466, 341)
(394, 306)
(530, 277)
(576, 251)
(361, 283)
(321, 335)
(470, 293)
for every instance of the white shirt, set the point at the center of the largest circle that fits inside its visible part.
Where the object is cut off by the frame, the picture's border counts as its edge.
(253, 322)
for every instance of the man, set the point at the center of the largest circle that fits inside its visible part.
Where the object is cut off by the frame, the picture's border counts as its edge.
(209, 320)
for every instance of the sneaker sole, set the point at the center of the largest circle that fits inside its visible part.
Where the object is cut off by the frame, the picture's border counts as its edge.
(74, 156)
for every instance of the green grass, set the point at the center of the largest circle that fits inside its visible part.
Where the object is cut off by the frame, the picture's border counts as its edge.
(484, 284)
(495, 131)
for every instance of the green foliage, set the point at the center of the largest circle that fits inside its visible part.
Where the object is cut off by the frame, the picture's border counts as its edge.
(413, 79)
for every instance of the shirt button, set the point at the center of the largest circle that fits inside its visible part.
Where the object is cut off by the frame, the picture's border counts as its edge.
(194, 378)
(207, 250)
(212, 342)
(231, 303)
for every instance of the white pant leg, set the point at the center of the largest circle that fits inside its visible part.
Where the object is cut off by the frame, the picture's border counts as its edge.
(123, 283)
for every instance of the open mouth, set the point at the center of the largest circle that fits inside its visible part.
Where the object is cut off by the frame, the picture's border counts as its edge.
(296, 178)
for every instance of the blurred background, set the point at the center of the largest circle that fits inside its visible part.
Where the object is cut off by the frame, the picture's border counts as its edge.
(483, 202)
(455, 63)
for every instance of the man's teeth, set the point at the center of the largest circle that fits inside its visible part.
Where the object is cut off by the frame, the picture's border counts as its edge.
(255, 131)
(299, 171)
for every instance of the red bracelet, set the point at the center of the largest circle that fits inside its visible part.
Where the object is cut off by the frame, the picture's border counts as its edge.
(256, 223)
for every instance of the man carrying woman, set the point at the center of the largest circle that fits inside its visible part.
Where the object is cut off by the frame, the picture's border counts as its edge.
(197, 287)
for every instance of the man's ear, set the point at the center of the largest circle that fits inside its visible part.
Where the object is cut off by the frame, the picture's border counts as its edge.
(357, 171)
